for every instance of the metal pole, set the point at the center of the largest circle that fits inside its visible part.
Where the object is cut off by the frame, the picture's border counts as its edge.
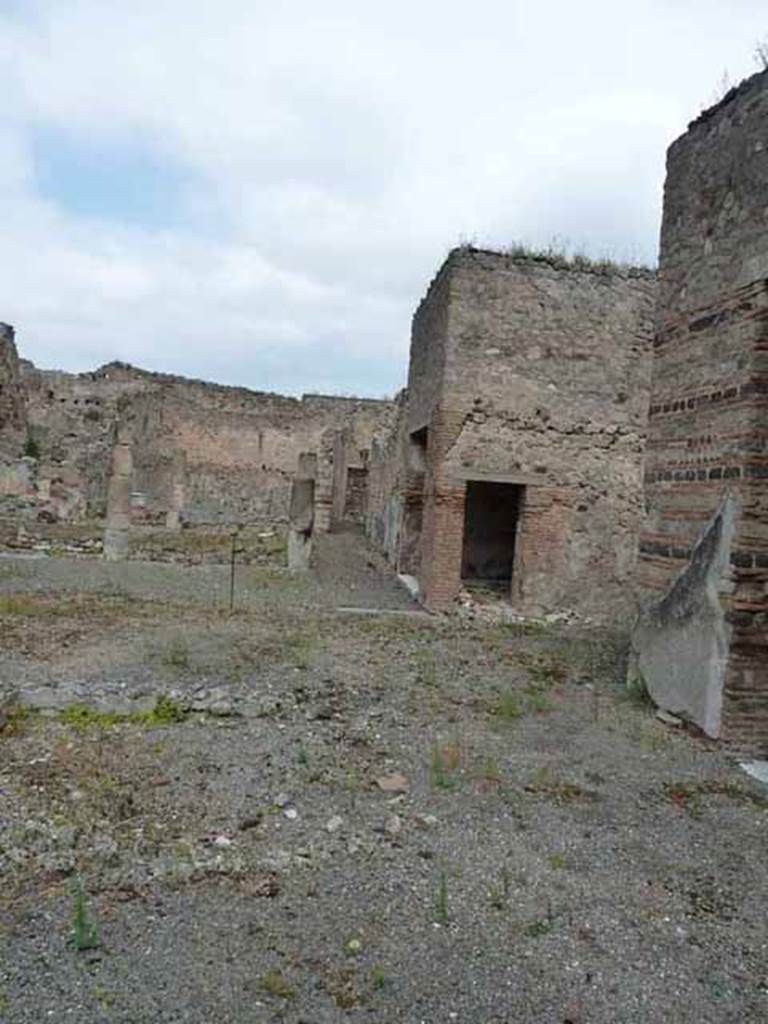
(232, 574)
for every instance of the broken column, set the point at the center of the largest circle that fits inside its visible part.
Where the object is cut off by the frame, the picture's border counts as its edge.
(118, 528)
(177, 493)
(302, 520)
(701, 646)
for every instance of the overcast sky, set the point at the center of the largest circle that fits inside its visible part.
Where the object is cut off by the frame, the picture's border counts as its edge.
(259, 192)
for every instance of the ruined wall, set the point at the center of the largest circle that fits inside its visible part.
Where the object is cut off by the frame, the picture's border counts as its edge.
(202, 452)
(708, 427)
(12, 405)
(386, 483)
(72, 418)
(545, 386)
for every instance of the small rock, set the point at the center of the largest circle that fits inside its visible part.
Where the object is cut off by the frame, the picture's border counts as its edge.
(334, 824)
(393, 826)
(252, 821)
(291, 813)
(222, 840)
(668, 718)
(395, 783)
(221, 708)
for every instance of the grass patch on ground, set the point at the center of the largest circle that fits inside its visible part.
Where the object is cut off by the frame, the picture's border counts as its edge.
(689, 796)
(445, 763)
(10, 604)
(82, 717)
(546, 784)
(18, 720)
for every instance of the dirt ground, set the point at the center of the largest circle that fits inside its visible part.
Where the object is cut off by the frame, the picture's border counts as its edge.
(328, 806)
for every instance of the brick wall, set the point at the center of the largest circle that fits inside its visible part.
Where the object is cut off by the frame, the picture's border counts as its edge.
(708, 426)
(536, 375)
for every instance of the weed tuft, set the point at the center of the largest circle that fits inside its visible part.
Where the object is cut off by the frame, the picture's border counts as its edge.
(176, 654)
(274, 984)
(498, 892)
(82, 717)
(509, 707)
(445, 761)
(545, 783)
(84, 933)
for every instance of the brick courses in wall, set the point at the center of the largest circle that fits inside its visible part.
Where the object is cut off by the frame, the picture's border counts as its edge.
(708, 418)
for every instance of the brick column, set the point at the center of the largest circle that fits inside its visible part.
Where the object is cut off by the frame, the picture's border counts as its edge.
(443, 530)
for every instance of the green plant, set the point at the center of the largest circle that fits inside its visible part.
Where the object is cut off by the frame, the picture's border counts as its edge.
(274, 984)
(491, 771)
(378, 977)
(445, 760)
(557, 861)
(541, 927)
(499, 893)
(10, 605)
(509, 706)
(31, 448)
(426, 667)
(545, 783)
(176, 655)
(685, 796)
(18, 718)
(539, 702)
(84, 933)
(544, 670)
(637, 691)
(165, 712)
(82, 717)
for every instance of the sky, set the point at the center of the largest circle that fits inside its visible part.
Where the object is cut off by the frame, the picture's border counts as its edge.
(259, 193)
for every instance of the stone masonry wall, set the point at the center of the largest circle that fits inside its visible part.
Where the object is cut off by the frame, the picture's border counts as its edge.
(238, 448)
(12, 404)
(545, 385)
(708, 428)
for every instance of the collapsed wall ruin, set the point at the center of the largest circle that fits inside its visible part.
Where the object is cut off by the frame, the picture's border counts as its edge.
(701, 647)
(202, 453)
(521, 435)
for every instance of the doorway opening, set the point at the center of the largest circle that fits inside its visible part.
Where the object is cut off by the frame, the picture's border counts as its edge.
(409, 560)
(491, 513)
(357, 493)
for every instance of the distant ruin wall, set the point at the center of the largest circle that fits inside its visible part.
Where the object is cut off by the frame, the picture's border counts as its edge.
(12, 404)
(708, 426)
(239, 447)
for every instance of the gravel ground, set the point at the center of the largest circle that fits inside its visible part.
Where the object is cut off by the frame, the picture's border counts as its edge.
(337, 816)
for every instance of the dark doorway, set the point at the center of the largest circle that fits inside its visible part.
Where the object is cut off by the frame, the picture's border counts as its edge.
(491, 511)
(409, 558)
(357, 492)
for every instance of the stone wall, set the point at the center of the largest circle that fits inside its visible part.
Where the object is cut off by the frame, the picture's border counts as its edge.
(12, 405)
(226, 454)
(707, 465)
(535, 376)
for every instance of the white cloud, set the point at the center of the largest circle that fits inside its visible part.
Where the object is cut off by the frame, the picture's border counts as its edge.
(335, 152)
